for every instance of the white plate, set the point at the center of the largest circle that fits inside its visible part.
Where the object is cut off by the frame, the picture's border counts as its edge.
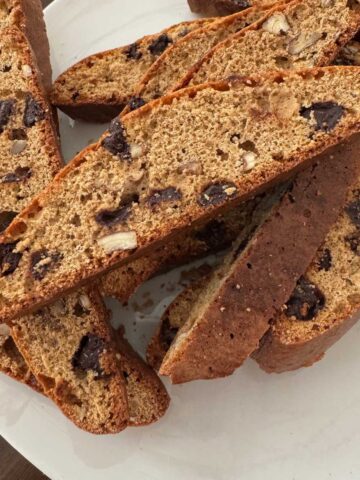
(250, 426)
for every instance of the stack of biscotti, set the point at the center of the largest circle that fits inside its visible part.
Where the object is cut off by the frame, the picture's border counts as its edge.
(213, 326)
(124, 281)
(266, 127)
(68, 346)
(88, 85)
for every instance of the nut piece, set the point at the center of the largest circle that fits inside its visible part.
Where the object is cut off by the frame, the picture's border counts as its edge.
(26, 70)
(249, 161)
(4, 330)
(85, 301)
(136, 151)
(18, 146)
(59, 307)
(327, 3)
(276, 24)
(118, 241)
(303, 41)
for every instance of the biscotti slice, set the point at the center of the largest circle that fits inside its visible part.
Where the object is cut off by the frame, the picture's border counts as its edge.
(244, 136)
(98, 87)
(12, 363)
(225, 322)
(301, 34)
(147, 397)
(30, 159)
(216, 235)
(169, 70)
(325, 303)
(27, 15)
(70, 351)
(220, 7)
(28, 142)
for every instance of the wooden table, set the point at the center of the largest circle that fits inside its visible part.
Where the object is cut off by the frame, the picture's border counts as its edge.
(12, 465)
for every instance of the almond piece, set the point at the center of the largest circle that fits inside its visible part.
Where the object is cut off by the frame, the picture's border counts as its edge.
(249, 161)
(118, 241)
(303, 41)
(85, 302)
(4, 330)
(18, 146)
(276, 24)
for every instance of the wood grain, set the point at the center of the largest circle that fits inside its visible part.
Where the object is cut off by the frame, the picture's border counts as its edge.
(14, 466)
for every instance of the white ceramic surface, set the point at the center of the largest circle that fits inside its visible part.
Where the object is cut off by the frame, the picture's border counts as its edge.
(302, 425)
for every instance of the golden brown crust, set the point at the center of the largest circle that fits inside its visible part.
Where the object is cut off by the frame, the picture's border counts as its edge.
(279, 171)
(274, 356)
(264, 276)
(148, 398)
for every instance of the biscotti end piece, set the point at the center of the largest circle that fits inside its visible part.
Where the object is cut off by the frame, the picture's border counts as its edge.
(300, 34)
(98, 87)
(326, 300)
(244, 136)
(147, 396)
(12, 362)
(233, 312)
(69, 348)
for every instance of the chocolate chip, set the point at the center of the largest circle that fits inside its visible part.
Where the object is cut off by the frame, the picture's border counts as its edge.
(214, 235)
(306, 301)
(133, 52)
(75, 96)
(325, 262)
(6, 217)
(19, 175)
(6, 68)
(9, 260)
(135, 103)
(353, 210)
(80, 310)
(7, 108)
(169, 194)
(33, 112)
(160, 44)
(109, 218)
(17, 134)
(167, 333)
(354, 242)
(42, 262)
(116, 142)
(326, 114)
(217, 193)
(87, 357)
